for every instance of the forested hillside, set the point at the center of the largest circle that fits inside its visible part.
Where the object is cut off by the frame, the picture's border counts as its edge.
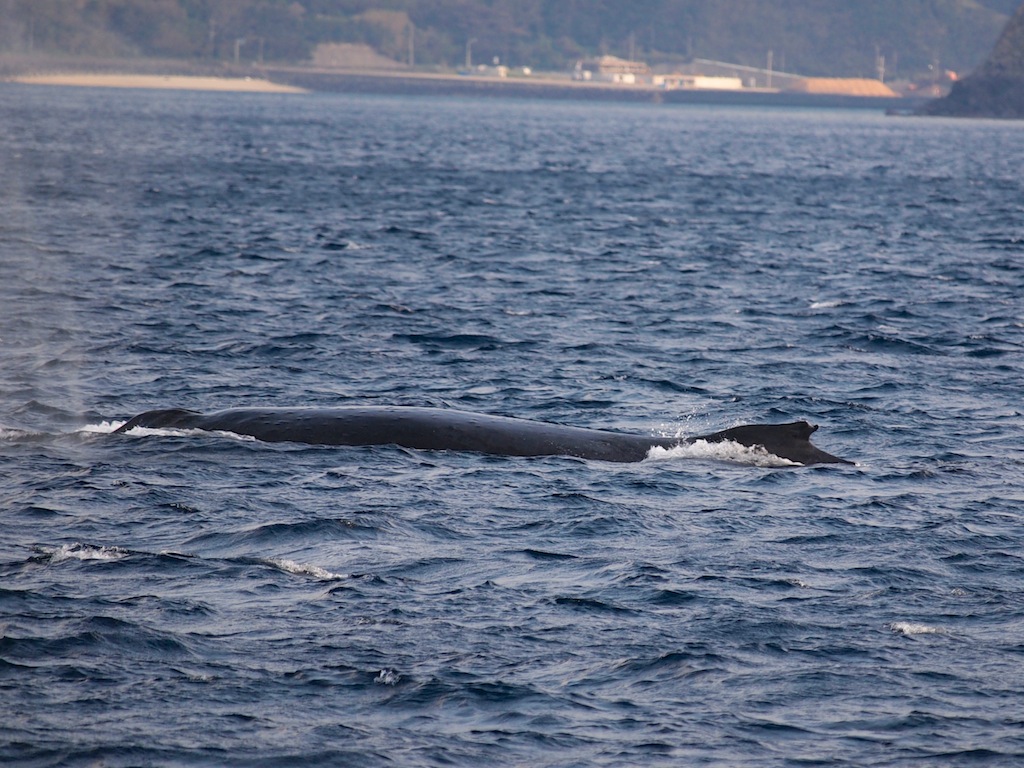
(996, 88)
(821, 37)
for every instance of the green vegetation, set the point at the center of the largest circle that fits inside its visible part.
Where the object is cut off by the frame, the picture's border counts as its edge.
(816, 37)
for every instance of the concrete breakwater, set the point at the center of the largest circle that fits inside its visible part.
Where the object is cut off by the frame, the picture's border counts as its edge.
(430, 84)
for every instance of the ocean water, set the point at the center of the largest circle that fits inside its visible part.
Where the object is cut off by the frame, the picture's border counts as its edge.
(172, 598)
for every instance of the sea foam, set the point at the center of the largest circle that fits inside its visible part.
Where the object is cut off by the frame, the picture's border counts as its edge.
(727, 450)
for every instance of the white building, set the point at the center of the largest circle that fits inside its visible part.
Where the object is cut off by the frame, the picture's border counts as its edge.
(610, 69)
(678, 81)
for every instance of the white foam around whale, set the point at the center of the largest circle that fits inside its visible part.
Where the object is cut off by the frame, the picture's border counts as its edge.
(726, 450)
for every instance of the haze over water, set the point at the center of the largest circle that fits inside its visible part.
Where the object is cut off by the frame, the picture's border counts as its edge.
(181, 599)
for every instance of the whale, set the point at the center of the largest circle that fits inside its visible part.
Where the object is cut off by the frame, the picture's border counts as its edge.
(447, 429)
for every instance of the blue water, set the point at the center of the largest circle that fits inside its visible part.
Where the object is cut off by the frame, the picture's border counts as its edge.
(173, 599)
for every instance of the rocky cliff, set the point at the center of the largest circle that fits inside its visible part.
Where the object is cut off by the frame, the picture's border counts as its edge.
(996, 88)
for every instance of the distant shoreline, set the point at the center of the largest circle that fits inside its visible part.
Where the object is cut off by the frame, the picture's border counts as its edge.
(167, 82)
(168, 74)
(539, 87)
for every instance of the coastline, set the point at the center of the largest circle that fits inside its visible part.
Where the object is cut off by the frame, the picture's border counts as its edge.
(172, 75)
(166, 82)
(473, 86)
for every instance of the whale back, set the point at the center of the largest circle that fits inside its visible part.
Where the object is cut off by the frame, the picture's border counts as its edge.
(167, 418)
(431, 429)
(454, 430)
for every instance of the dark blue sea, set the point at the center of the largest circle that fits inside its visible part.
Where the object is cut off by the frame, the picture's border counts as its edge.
(173, 598)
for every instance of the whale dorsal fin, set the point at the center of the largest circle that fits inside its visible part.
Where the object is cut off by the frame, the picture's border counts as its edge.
(788, 441)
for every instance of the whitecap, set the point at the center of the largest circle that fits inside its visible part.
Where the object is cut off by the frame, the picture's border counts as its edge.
(830, 304)
(300, 569)
(103, 428)
(909, 628)
(79, 551)
(387, 677)
(727, 450)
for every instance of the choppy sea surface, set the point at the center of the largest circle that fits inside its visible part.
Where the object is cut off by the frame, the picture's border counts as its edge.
(172, 598)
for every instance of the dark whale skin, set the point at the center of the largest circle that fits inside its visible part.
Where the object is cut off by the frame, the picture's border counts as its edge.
(443, 429)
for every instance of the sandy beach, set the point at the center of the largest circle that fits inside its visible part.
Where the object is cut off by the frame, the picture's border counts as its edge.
(175, 82)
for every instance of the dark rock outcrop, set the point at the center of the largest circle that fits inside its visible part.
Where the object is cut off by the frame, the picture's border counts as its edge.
(996, 88)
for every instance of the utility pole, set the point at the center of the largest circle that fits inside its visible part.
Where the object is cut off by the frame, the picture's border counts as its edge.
(410, 33)
(211, 37)
(469, 53)
(771, 55)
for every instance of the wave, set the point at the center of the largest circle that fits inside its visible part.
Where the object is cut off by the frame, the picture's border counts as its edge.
(387, 677)
(103, 428)
(909, 629)
(78, 551)
(83, 552)
(301, 569)
(9, 434)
